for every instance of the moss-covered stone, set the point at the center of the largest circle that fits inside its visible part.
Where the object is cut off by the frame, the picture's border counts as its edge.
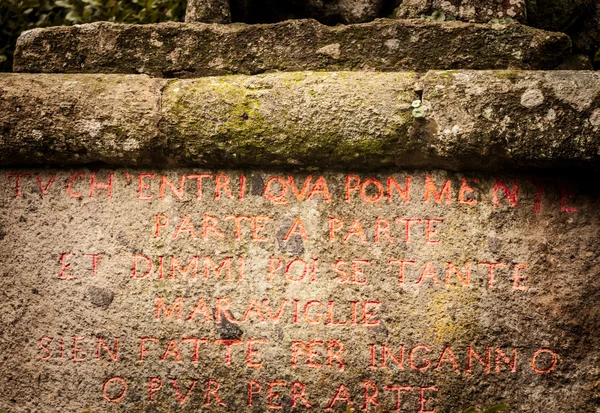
(192, 50)
(469, 120)
(74, 119)
(329, 120)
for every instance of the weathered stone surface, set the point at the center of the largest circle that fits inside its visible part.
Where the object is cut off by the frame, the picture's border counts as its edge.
(294, 119)
(350, 11)
(328, 12)
(514, 114)
(554, 15)
(472, 119)
(190, 50)
(481, 11)
(208, 11)
(79, 118)
(533, 323)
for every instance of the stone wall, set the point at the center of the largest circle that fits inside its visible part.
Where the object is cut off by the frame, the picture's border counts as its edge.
(389, 215)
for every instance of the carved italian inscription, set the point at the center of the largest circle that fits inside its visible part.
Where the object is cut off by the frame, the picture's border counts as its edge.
(187, 290)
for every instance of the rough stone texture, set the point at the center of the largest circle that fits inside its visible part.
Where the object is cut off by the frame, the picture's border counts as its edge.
(514, 114)
(327, 12)
(350, 11)
(472, 119)
(293, 119)
(190, 50)
(208, 11)
(481, 11)
(554, 15)
(557, 15)
(80, 118)
(552, 306)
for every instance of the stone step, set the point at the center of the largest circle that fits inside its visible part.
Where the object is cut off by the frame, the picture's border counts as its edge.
(196, 49)
(487, 120)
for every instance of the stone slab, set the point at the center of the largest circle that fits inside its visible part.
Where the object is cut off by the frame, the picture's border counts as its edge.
(105, 307)
(521, 116)
(487, 120)
(80, 118)
(554, 15)
(192, 50)
(481, 11)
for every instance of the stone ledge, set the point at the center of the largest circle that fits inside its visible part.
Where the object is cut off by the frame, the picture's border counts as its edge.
(197, 49)
(487, 120)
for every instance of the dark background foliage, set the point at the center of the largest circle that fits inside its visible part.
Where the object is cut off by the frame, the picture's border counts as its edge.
(19, 15)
